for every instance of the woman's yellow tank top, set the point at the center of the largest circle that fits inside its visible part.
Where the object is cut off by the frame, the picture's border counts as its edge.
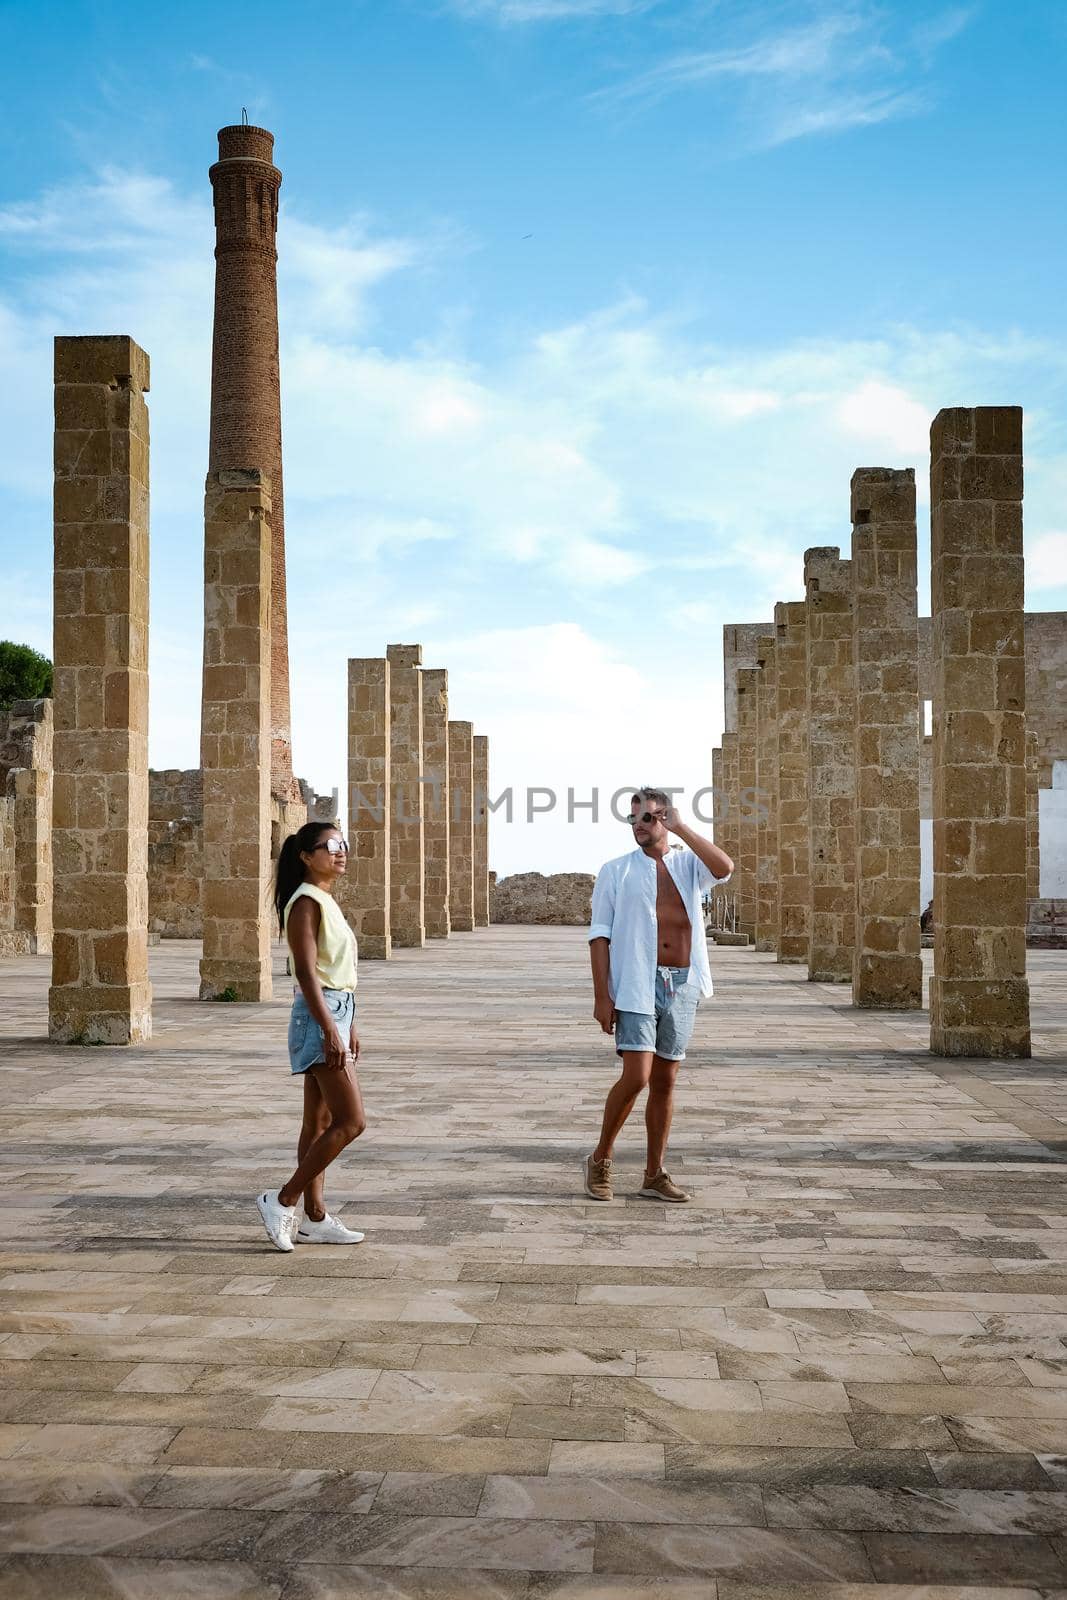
(335, 959)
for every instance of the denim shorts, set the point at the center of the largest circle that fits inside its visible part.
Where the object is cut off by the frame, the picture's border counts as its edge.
(306, 1045)
(668, 1032)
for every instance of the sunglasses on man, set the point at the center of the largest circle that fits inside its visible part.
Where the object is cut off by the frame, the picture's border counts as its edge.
(646, 816)
(336, 847)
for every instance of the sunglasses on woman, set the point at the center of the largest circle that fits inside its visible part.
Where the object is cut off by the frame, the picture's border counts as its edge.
(336, 847)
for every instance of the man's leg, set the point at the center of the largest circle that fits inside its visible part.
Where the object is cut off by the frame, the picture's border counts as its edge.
(658, 1112)
(636, 1068)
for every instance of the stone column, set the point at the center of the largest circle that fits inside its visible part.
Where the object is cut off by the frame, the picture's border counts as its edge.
(100, 992)
(364, 892)
(730, 807)
(832, 765)
(767, 797)
(435, 802)
(481, 830)
(979, 997)
(461, 826)
(748, 820)
(407, 844)
(235, 737)
(887, 963)
(26, 769)
(794, 891)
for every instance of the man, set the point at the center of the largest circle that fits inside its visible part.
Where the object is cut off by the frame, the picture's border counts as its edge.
(649, 956)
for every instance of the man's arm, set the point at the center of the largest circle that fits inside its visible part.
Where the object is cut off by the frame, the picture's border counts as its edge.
(601, 922)
(717, 861)
(600, 961)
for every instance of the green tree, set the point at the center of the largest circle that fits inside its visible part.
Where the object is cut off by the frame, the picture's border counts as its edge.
(25, 674)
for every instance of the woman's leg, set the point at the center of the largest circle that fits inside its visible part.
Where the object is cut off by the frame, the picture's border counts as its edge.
(658, 1112)
(316, 1120)
(636, 1066)
(340, 1093)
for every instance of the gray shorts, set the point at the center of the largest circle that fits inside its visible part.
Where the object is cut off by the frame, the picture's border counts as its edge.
(669, 1031)
(306, 1044)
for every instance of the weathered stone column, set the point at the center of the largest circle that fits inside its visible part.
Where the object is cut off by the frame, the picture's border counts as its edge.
(794, 890)
(767, 797)
(235, 737)
(364, 892)
(407, 844)
(748, 820)
(26, 739)
(979, 997)
(435, 802)
(481, 830)
(887, 963)
(100, 992)
(461, 826)
(730, 808)
(832, 765)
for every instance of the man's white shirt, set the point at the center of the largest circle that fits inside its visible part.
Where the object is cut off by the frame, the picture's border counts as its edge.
(624, 912)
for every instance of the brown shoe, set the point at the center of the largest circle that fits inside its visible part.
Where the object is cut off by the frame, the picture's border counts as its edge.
(663, 1187)
(597, 1175)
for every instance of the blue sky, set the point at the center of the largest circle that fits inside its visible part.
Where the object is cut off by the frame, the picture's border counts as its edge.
(588, 310)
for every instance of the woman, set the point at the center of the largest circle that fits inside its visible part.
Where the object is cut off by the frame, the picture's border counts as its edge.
(323, 1044)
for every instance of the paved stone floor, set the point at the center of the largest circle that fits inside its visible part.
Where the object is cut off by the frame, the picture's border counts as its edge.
(841, 1372)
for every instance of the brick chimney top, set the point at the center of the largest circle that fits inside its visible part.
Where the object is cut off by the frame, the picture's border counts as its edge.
(245, 143)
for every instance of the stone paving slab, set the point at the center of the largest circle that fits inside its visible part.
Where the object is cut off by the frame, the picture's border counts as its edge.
(840, 1373)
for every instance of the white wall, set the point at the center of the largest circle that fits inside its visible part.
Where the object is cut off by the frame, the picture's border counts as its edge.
(1052, 822)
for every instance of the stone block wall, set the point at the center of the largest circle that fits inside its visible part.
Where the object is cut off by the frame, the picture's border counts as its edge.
(100, 992)
(407, 823)
(832, 766)
(561, 899)
(481, 830)
(767, 797)
(747, 858)
(979, 997)
(364, 893)
(794, 887)
(461, 826)
(235, 737)
(887, 966)
(436, 800)
(26, 754)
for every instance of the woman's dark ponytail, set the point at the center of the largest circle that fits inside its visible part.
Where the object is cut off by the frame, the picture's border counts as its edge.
(289, 872)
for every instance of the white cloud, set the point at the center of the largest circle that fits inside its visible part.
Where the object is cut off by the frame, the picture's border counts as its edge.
(1046, 562)
(797, 69)
(885, 416)
(525, 11)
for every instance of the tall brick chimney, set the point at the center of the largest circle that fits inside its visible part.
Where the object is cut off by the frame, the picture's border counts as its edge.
(246, 426)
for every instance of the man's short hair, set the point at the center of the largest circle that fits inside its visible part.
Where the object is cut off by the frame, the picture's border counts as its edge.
(647, 794)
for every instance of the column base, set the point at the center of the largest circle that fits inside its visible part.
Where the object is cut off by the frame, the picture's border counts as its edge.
(247, 981)
(462, 924)
(887, 982)
(98, 1015)
(374, 946)
(985, 1017)
(409, 938)
(438, 929)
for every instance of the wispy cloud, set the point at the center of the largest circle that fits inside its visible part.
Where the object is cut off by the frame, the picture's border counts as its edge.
(526, 11)
(802, 70)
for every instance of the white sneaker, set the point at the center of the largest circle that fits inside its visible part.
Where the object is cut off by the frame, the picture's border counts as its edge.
(277, 1219)
(328, 1231)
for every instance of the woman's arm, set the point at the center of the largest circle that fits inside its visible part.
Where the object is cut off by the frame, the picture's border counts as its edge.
(303, 934)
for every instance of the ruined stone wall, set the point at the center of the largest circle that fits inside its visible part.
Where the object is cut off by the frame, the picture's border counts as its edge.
(26, 738)
(562, 899)
(9, 943)
(175, 852)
